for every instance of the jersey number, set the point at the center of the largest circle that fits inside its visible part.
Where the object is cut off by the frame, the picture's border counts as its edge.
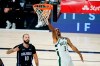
(64, 48)
(26, 58)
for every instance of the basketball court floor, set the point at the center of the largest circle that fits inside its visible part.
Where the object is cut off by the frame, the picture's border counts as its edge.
(88, 44)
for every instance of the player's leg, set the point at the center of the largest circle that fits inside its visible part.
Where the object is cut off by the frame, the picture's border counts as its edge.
(66, 61)
(1, 62)
(70, 63)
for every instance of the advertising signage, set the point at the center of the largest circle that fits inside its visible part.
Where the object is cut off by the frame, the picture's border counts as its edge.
(78, 23)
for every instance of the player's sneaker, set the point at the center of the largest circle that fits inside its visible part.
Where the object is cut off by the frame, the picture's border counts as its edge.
(13, 26)
(40, 24)
(8, 25)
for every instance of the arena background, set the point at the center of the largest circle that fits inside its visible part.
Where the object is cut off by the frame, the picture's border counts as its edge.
(71, 23)
(79, 23)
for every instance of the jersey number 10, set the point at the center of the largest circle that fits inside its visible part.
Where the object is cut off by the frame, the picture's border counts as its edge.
(26, 58)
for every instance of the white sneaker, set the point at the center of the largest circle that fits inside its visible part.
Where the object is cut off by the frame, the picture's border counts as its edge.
(40, 24)
(13, 26)
(8, 25)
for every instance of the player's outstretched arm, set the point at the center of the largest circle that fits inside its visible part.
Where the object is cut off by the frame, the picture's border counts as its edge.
(12, 50)
(75, 49)
(53, 32)
(36, 59)
(51, 27)
(59, 15)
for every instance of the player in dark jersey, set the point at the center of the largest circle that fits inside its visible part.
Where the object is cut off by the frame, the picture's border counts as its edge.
(1, 63)
(25, 52)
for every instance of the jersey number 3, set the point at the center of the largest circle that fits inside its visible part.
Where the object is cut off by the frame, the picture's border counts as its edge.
(65, 48)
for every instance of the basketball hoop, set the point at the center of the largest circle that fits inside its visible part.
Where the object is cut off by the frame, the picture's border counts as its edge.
(43, 12)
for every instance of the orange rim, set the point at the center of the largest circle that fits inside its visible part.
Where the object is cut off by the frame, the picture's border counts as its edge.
(43, 6)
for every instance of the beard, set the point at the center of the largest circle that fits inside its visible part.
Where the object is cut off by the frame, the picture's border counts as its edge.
(59, 34)
(26, 42)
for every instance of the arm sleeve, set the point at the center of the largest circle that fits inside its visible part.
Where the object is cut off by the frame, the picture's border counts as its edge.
(17, 46)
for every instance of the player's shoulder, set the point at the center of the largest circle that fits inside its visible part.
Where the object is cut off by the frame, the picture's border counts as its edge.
(65, 38)
(19, 45)
(31, 45)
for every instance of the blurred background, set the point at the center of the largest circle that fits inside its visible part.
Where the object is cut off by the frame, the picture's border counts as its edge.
(19, 14)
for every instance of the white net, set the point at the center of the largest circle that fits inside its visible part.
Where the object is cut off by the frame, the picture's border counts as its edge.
(43, 12)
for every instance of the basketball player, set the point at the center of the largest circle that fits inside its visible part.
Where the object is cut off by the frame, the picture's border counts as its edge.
(1, 63)
(61, 45)
(25, 52)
